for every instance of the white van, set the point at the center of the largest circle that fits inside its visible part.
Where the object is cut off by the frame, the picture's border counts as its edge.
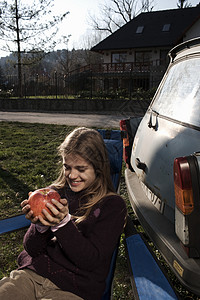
(163, 174)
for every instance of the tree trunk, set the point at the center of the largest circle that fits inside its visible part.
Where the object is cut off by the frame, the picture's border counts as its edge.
(19, 64)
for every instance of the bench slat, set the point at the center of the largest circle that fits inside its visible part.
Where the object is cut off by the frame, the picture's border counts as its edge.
(13, 223)
(150, 281)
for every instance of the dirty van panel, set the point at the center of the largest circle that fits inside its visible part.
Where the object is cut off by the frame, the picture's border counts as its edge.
(157, 149)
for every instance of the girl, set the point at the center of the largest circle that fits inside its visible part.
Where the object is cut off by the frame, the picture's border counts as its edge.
(68, 255)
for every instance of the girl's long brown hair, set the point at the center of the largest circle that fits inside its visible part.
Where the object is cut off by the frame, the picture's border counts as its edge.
(89, 145)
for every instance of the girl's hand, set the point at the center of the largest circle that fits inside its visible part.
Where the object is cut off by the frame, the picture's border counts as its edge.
(59, 210)
(28, 212)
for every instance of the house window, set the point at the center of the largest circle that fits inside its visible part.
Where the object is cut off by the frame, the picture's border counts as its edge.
(143, 57)
(139, 29)
(166, 27)
(119, 57)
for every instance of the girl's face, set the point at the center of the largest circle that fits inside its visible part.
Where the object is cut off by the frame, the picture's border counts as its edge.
(79, 173)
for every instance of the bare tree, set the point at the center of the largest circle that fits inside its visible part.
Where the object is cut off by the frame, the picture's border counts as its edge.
(183, 4)
(28, 29)
(115, 13)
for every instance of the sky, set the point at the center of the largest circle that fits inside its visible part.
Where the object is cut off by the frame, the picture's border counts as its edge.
(76, 23)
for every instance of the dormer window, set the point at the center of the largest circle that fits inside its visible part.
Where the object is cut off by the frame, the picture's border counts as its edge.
(166, 27)
(139, 29)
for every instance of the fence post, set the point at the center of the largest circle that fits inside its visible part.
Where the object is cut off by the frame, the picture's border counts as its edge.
(25, 85)
(91, 85)
(36, 85)
(56, 84)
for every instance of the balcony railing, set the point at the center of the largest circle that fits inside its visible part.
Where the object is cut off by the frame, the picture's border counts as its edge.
(122, 67)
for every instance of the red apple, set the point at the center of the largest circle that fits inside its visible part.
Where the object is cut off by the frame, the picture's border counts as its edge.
(39, 198)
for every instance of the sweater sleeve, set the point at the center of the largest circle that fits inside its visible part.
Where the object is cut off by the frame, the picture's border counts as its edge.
(87, 252)
(36, 242)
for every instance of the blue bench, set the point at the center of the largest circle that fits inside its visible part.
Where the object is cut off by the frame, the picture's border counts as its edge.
(148, 279)
(13, 223)
(114, 145)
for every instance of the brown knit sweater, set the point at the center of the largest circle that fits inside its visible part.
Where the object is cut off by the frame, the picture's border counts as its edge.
(77, 257)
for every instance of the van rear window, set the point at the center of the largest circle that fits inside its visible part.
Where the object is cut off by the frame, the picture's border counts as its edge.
(179, 97)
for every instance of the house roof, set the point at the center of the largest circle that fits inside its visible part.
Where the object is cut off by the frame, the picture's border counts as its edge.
(150, 30)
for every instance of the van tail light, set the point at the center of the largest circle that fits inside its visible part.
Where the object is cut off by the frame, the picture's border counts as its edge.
(126, 145)
(129, 128)
(183, 186)
(127, 142)
(187, 200)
